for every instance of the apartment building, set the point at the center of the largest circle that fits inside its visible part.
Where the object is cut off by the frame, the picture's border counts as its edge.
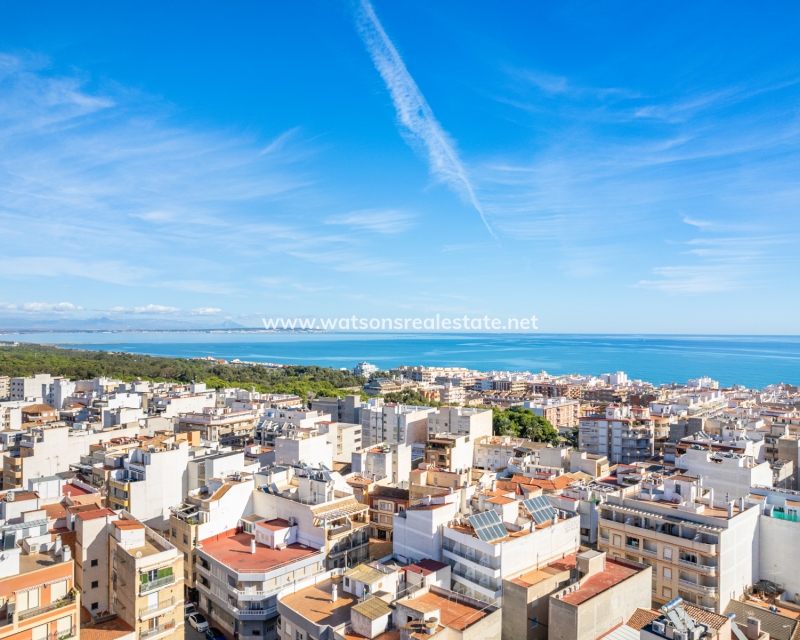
(579, 597)
(172, 403)
(492, 453)
(39, 601)
(5, 387)
(467, 421)
(383, 460)
(322, 506)
(92, 530)
(728, 473)
(210, 510)
(782, 445)
(561, 412)
(145, 580)
(10, 416)
(779, 526)
(481, 559)
(149, 479)
(621, 434)
(200, 470)
(702, 548)
(394, 423)
(240, 574)
(384, 504)
(304, 445)
(347, 409)
(50, 449)
(449, 452)
(36, 388)
(344, 438)
(229, 428)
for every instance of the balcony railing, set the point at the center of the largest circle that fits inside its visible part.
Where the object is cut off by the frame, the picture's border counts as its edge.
(152, 585)
(167, 627)
(158, 606)
(693, 586)
(32, 613)
(702, 568)
(473, 558)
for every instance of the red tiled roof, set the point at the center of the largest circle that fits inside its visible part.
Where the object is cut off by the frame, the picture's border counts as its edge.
(275, 524)
(234, 552)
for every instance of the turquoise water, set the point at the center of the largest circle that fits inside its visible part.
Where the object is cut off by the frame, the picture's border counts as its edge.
(754, 361)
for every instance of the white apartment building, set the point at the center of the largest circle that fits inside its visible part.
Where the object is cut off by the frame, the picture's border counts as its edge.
(417, 531)
(11, 415)
(467, 421)
(200, 470)
(5, 384)
(618, 434)
(383, 460)
(492, 453)
(702, 548)
(36, 388)
(173, 404)
(478, 567)
(229, 428)
(92, 558)
(307, 445)
(344, 438)
(150, 479)
(779, 531)
(729, 474)
(394, 423)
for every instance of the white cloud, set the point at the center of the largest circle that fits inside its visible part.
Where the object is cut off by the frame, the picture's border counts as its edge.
(206, 311)
(413, 111)
(386, 222)
(40, 307)
(156, 309)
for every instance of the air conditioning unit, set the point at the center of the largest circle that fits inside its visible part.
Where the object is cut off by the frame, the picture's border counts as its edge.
(658, 627)
(679, 635)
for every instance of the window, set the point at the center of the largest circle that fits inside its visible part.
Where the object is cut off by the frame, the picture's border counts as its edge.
(185, 557)
(666, 592)
(64, 626)
(95, 584)
(667, 573)
(40, 632)
(347, 582)
(58, 590)
(95, 606)
(185, 539)
(232, 581)
(174, 532)
(668, 553)
(28, 600)
(298, 635)
(617, 540)
(94, 563)
(535, 622)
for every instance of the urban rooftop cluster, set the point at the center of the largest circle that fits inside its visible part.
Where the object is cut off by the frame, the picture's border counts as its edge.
(134, 510)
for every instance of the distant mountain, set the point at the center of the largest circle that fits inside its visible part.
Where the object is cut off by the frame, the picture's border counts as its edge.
(104, 323)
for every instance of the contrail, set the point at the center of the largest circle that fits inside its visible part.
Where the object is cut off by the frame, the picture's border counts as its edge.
(421, 129)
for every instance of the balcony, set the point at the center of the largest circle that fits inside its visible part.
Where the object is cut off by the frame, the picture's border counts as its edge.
(631, 527)
(473, 557)
(158, 607)
(698, 588)
(37, 611)
(255, 614)
(701, 568)
(337, 531)
(160, 630)
(159, 583)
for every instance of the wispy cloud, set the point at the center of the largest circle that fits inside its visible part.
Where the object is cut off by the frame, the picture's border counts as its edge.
(386, 222)
(40, 307)
(151, 309)
(206, 311)
(415, 115)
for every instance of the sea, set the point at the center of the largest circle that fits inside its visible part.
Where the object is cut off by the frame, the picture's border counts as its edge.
(752, 361)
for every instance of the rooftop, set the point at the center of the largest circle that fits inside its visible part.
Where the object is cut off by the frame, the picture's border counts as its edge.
(29, 562)
(373, 608)
(234, 552)
(615, 573)
(314, 603)
(454, 614)
(426, 566)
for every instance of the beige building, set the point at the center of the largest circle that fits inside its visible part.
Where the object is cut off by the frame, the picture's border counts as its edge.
(145, 580)
(701, 547)
(560, 412)
(220, 425)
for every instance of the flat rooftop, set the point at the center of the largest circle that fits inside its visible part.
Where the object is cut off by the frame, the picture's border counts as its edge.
(454, 614)
(234, 552)
(537, 575)
(314, 603)
(29, 562)
(615, 573)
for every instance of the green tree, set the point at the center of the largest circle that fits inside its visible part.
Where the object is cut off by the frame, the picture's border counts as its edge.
(522, 422)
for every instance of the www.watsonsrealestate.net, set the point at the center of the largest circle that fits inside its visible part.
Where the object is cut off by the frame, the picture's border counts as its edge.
(435, 323)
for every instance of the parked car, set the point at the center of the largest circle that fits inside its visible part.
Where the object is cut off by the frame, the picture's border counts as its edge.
(212, 633)
(198, 621)
(189, 608)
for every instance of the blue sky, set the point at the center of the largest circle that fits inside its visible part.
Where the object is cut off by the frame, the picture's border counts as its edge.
(608, 167)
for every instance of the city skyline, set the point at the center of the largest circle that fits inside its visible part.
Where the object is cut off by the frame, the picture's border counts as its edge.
(221, 165)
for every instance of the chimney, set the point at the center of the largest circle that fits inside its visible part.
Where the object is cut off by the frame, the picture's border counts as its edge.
(494, 485)
(481, 502)
(334, 593)
(741, 505)
(555, 517)
(753, 628)
(253, 545)
(711, 498)
(730, 509)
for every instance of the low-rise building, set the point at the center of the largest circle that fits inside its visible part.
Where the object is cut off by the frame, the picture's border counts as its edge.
(384, 503)
(229, 428)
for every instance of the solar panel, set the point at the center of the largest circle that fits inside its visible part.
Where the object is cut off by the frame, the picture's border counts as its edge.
(488, 526)
(540, 509)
